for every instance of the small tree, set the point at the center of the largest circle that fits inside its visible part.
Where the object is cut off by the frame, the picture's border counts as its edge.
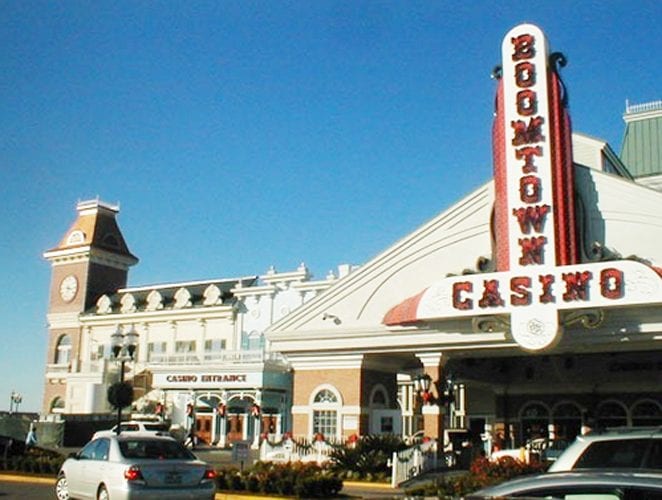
(120, 395)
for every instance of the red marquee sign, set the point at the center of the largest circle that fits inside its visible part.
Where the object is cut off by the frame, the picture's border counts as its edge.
(536, 242)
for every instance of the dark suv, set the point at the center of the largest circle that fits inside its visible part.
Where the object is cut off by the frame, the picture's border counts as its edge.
(621, 448)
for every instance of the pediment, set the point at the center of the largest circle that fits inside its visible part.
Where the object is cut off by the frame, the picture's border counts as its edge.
(450, 243)
(616, 213)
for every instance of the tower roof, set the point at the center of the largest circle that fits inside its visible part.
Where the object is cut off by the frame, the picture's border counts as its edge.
(95, 227)
(642, 141)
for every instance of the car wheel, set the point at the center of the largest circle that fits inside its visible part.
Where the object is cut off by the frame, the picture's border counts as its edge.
(102, 494)
(62, 488)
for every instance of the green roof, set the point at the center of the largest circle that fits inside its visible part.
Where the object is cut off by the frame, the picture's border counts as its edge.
(642, 141)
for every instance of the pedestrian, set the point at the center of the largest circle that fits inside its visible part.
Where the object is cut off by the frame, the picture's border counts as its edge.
(190, 439)
(31, 438)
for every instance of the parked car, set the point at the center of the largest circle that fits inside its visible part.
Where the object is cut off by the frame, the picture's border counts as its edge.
(579, 485)
(622, 448)
(547, 450)
(135, 466)
(144, 427)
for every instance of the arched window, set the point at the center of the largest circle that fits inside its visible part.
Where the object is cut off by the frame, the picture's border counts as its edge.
(378, 398)
(611, 414)
(57, 405)
(63, 350)
(325, 396)
(535, 421)
(567, 420)
(326, 405)
(646, 413)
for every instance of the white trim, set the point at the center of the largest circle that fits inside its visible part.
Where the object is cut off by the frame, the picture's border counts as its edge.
(338, 362)
(325, 387)
(58, 321)
(203, 313)
(185, 284)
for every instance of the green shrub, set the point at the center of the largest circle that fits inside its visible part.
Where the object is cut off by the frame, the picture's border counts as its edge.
(37, 461)
(482, 472)
(366, 458)
(304, 480)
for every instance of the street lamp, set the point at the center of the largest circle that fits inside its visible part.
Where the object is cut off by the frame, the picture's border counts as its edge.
(423, 385)
(14, 399)
(123, 347)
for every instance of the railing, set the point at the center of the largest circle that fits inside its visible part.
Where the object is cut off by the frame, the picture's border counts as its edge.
(57, 370)
(412, 462)
(291, 451)
(94, 366)
(642, 108)
(225, 357)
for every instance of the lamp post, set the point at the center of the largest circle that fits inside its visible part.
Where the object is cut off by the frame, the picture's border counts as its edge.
(123, 347)
(423, 385)
(14, 399)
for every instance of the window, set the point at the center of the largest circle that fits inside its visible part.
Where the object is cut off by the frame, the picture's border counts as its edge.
(96, 450)
(63, 350)
(155, 350)
(622, 453)
(325, 396)
(386, 425)
(152, 448)
(325, 413)
(646, 413)
(76, 237)
(611, 414)
(324, 422)
(98, 352)
(184, 346)
(535, 421)
(111, 241)
(215, 345)
(57, 405)
(379, 399)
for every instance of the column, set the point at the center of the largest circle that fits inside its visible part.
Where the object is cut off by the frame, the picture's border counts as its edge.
(257, 421)
(223, 427)
(433, 414)
(200, 344)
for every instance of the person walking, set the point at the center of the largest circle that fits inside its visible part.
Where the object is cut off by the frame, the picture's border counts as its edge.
(31, 438)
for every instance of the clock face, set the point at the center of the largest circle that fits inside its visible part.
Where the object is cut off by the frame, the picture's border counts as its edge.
(68, 288)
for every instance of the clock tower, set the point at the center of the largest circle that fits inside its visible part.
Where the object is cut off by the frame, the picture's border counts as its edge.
(92, 259)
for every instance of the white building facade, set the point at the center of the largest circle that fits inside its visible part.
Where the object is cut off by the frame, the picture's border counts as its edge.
(201, 357)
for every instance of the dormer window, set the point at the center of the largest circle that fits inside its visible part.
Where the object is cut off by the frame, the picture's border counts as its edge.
(111, 241)
(76, 237)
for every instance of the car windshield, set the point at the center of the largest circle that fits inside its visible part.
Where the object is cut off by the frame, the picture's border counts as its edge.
(156, 427)
(626, 453)
(161, 449)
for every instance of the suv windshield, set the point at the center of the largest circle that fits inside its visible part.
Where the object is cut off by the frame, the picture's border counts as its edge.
(162, 449)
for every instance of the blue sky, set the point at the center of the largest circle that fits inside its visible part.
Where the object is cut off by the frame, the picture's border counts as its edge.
(239, 135)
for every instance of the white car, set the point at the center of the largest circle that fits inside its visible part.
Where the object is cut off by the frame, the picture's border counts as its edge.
(546, 450)
(621, 448)
(133, 466)
(139, 426)
(588, 485)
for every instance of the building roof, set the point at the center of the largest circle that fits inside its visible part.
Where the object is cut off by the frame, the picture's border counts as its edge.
(96, 227)
(642, 142)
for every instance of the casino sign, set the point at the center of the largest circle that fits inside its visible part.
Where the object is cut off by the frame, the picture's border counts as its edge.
(540, 280)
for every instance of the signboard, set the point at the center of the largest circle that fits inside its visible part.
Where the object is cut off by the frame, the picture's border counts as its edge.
(205, 380)
(240, 451)
(533, 300)
(536, 252)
